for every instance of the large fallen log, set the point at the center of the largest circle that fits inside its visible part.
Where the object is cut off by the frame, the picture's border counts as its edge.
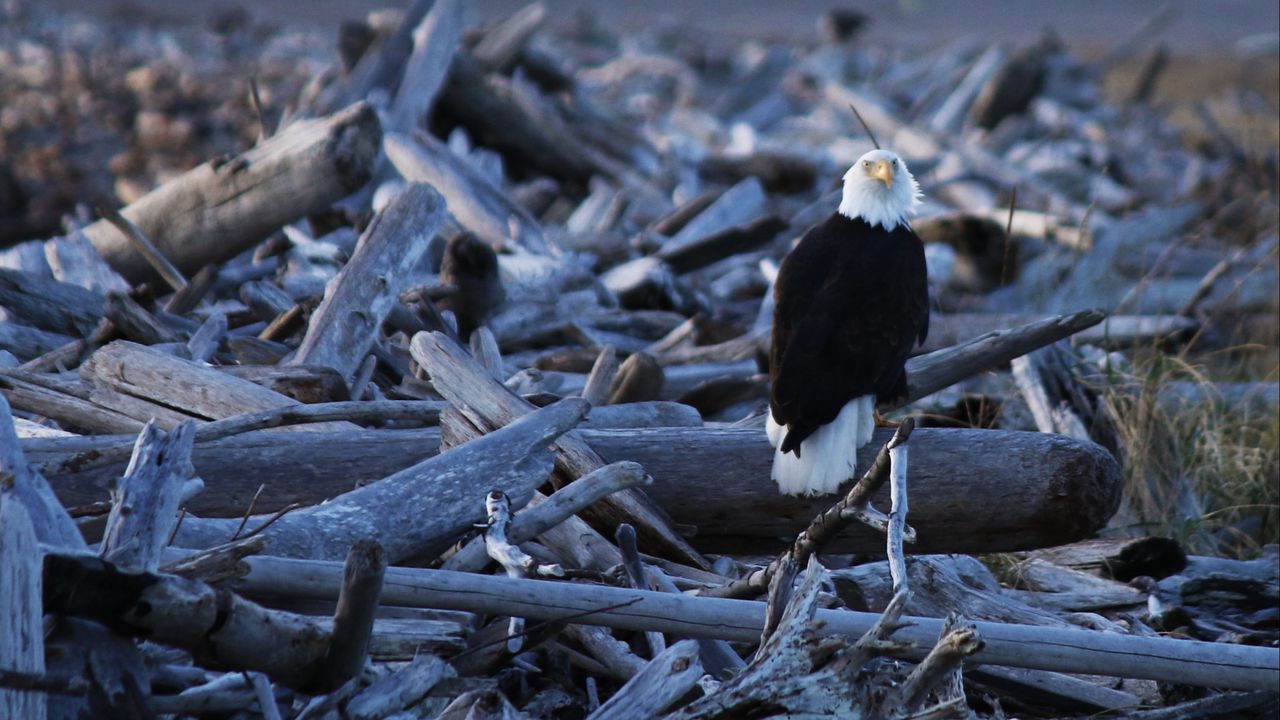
(976, 491)
(219, 209)
(1189, 662)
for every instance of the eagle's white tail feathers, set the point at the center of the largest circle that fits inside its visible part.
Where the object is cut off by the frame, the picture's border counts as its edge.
(829, 456)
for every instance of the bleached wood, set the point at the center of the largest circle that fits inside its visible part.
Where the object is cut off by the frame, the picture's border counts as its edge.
(345, 325)
(502, 43)
(48, 304)
(73, 259)
(514, 459)
(1185, 661)
(487, 404)
(219, 209)
(23, 483)
(144, 507)
(400, 689)
(897, 516)
(426, 411)
(216, 626)
(21, 630)
(503, 549)
(484, 348)
(1116, 331)
(927, 374)
(435, 39)
(664, 680)
(196, 391)
(600, 379)
(204, 342)
(473, 200)
(738, 205)
(134, 322)
(633, 568)
(265, 696)
(959, 640)
(575, 542)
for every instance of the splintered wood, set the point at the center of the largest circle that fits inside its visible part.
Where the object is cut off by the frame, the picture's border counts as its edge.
(430, 381)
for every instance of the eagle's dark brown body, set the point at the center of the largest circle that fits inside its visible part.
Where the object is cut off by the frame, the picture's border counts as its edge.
(851, 300)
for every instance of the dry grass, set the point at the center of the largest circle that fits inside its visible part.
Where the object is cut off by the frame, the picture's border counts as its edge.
(1198, 469)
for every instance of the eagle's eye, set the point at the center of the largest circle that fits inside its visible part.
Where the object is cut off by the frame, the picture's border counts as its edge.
(866, 163)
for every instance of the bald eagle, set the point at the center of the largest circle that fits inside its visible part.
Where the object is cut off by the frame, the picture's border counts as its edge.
(851, 300)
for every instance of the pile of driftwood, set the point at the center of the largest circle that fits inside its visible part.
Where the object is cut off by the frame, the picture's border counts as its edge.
(496, 299)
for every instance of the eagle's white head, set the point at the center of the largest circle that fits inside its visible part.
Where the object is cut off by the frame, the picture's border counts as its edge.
(880, 190)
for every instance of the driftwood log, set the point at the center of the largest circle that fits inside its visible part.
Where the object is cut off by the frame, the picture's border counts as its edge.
(394, 512)
(1058, 649)
(977, 490)
(219, 209)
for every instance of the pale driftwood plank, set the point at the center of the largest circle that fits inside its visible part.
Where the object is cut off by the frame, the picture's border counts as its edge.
(200, 392)
(435, 40)
(474, 201)
(219, 209)
(346, 324)
(662, 682)
(24, 391)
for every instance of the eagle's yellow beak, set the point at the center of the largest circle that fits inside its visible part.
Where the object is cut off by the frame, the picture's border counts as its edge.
(884, 173)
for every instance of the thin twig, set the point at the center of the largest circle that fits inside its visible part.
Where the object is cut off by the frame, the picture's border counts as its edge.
(256, 99)
(539, 625)
(144, 246)
(1008, 236)
(865, 127)
(247, 512)
(276, 516)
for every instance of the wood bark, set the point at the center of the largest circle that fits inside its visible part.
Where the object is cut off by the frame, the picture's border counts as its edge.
(1085, 651)
(219, 209)
(346, 324)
